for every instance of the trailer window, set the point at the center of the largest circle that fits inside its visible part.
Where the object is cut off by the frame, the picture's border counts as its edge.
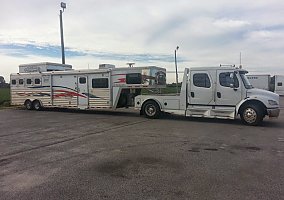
(82, 80)
(100, 83)
(226, 80)
(37, 81)
(279, 84)
(29, 81)
(14, 82)
(21, 81)
(133, 78)
(201, 80)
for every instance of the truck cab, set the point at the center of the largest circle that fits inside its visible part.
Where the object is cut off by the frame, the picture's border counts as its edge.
(217, 92)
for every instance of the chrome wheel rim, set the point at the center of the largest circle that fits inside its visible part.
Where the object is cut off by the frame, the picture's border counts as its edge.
(150, 110)
(250, 115)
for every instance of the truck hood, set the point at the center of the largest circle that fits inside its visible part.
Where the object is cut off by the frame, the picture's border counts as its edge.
(264, 93)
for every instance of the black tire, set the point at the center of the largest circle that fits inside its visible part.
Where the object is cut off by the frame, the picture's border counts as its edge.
(28, 104)
(37, 105)
(252, 115)
(151, 109)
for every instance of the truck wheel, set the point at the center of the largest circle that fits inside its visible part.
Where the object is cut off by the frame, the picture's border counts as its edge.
(252, 115)
(151, 109)
(37, 105)
(28, 104)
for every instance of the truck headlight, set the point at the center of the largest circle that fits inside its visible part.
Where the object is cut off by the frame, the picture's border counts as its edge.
(272, 102)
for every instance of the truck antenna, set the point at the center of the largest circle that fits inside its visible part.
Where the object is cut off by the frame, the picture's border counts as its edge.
(240, 60)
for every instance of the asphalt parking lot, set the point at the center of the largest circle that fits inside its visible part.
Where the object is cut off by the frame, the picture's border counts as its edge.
(61, 154)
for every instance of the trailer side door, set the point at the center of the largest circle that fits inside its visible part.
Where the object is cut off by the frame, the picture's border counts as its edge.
(82, 90)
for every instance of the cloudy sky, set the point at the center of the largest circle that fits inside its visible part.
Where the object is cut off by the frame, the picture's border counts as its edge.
(209, 33)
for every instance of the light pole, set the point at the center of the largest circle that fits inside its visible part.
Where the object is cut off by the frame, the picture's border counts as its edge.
(176, 67)
(63, 6)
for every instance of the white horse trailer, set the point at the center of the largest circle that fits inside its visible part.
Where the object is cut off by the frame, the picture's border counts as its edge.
(84, 89)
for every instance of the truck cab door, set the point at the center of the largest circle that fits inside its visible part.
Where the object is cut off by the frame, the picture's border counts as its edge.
(201, 88)
(228, 93)
(200, 94)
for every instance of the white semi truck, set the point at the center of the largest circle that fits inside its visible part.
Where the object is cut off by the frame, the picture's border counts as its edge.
(260, 81)
(217, 92)
(267, 82)
(39, 85)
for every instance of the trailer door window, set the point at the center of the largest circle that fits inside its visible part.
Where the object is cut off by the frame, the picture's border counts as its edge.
(37, 81)
(21, 81)
(82, 80)
(201, 80)
(14, 82)
(133, 78)
(100, 83)
(226, 79)
(29, 81)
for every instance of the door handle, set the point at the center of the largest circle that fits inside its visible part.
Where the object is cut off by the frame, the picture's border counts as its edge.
(219, 94)
(192, 94)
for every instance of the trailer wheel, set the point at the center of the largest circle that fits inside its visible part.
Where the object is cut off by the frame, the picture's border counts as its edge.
(252, 115)
(151, 109)
(37, 105)
(28, 104)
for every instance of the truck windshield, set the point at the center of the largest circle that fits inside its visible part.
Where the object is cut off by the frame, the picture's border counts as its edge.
(245, 80)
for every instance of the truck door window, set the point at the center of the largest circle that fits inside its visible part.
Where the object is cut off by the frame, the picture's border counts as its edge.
(226, 80)
(201, 80)
(100, 83)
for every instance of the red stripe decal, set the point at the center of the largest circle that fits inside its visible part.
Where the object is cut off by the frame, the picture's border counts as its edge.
(65, 93)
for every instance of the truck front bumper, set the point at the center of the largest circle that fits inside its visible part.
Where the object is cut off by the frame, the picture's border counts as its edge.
(273, 112)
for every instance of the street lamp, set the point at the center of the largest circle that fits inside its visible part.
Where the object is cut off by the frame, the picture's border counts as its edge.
(176, 67)
(63, 6)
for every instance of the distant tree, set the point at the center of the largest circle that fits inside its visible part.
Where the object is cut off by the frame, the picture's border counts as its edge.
(3, 82)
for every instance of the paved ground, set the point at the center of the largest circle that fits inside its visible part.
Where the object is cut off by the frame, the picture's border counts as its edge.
(118, 155)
